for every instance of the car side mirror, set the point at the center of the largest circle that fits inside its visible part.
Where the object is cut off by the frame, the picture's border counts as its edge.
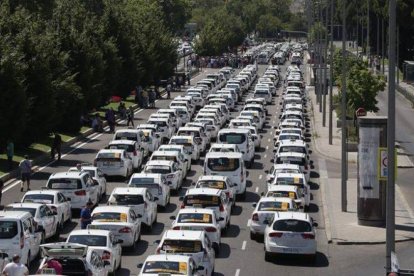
(315, 224)
(272, 160)
(157, 241)
(199, 268)
(254, 205)
(220, 219)
(181, 198)
(138, 215)
(155, 198)
(275, 127)
(106, 263)
(193, 183)
(141, 265)
(266, 171)
(262, 194)
(274, 150)
(172, 217)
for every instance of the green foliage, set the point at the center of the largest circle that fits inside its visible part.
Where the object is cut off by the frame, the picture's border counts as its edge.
(317, 30)
(61, 58)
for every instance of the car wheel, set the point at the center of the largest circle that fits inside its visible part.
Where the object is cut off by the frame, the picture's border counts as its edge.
(42, 237)
(306, 208)
(61, 223)
(216, 248)
(268, 256)
(253, 236)
(28, 260)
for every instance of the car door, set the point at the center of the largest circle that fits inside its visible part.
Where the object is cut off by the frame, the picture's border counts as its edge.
(92, 189)
(101, 180)
(47, 219)
(33, 241)
(116, 248)
(136, 222)
(64, 206)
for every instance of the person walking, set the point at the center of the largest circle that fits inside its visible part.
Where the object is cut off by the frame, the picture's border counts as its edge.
(188, 78)
(26, 172)
(169, 88)
(85, 215)
(15, 268)
(110, 117)
(151, 98)
(145, 98)
(10, 154)
(130, 116)
(56, 146)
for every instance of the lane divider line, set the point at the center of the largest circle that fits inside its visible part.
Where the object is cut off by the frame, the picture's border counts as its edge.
(260, 176)
(244, 245)
(256, 190)
(237, 272)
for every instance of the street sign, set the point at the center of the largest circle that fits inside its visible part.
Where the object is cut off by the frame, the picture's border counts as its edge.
(361, 112)
(383, 164)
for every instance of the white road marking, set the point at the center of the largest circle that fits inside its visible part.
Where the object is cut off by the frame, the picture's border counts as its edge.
(273, 122)
(256, 190)
(244, 245)
(237, 272)
(271, 133)
(267, 147)
(268, 140)
(260, 176)
(265, 156)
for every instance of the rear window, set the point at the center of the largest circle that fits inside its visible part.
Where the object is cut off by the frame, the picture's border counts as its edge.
(127, 148)
(232, 138)
(110, 217)
(273, 206)
(32, 211)
(184, 142)
(292, 149)
(64, 183)
(126, 136)
(214, 184)
(223, 164)
(195, 218)
(128, 199)
(90, 240)
(158, 123)
(201, 201)
(163, 157)
(142, 181)
(8, 229)
(292, 225)
(91, 172)
(109, 155)
(182, 246)
(289, 181)
(165, 267)
(189, 133)
(291, 195)
(158, 169)
(291, 160)
(40, 198)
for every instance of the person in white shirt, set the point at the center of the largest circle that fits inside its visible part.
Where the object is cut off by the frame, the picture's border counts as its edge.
(15, 268)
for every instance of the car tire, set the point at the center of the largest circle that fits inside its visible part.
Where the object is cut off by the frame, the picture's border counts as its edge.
(306, 208)
(268, 256)
(216, 248)
(253, 236)
(42, 237)
(28, 259)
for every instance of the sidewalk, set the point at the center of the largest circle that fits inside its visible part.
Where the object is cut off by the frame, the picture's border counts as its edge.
(342, 227)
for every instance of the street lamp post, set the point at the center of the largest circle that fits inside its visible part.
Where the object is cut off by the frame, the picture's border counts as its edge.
(331, 75)
(344, 172)
(325, 88)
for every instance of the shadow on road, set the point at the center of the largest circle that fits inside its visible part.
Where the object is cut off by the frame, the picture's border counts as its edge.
(224, 251)
(294, 260)
(233, 231)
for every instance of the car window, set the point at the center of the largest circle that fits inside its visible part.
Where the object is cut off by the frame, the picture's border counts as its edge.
(8, 229)
(61, 198)
(292, 225)
(39, 198)
(89, 240)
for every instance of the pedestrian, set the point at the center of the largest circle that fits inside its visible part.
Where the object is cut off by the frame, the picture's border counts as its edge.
(188, 79)
(145, 98)
(1, 188)
(26, 172)
(85, 215)
(151, 98)
(15, 268)
(157, 92)
(56, 146)
(10, 154)
(130, 116)
(110, 117)
(169, 90)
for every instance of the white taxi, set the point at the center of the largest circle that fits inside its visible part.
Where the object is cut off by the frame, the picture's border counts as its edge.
(171, 156)
(114, 162)
(216, 147)
(290, 233)
(181, 150)
(169, 265)
(121, 220)
(132, 149)
(190, 243)
(55, 200)
(295, 179)
(133, 135)
(289, 191)
(42, 214)
(155, 183)
(281, 168)
(213, 199)
(101, 241)
(150, 136)
(199, 219)
(97, 175)
(264, 211)
(190, 145)
(218, 182)
(140, 200)
(168, 169)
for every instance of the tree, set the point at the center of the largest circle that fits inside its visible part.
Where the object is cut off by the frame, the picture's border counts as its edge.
(268, 25)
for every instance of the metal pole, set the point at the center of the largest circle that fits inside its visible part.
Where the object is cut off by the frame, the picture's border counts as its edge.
(383, 48)
(318, 75)
(390, 215)
(321, 57)
(398, 55)
(378, 34)
(368, 46)
(331, 76)
(357, 33)
(343, 112)
(325, 70)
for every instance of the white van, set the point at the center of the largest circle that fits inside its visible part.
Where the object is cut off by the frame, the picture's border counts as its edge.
(242, 138)
(228, 164)
(18, 235)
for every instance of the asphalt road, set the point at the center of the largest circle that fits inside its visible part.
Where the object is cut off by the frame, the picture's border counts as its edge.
(239, 255)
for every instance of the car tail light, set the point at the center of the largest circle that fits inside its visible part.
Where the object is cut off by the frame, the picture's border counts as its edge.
(158, 250)
(80, 193)
(306, 167)
(255, 217)
(210, 229)
(176, 228)
(135, 153)
(106, 255)
(182, 205)
(95, 162)
(308, 236)
(125, 230)
(221, 208)
(275, 234)
(170, 176)
(95, 182)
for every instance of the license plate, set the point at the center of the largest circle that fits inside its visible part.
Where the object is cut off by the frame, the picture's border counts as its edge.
(290, 250)
(197, 205)
(186, 228)
(290, 235)
(108, 164)
(48, 271)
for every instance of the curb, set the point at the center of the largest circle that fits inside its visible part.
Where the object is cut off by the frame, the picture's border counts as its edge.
(43, 158)
(326, 219)
(369, 243)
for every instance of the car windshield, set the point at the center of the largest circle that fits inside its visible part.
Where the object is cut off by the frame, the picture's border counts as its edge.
(164, 157)
(223, 164)
(39, 198)
(64, 183)
(273, 206)
(288, 137)
(201, 201)
(195, 218)
(165, 267)
(110, 217)
(292, 225)
(8, 229)
(213, 184)
(90, 240)
(232, 138)
(126, 199)
(181, 246)
(181, 141)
